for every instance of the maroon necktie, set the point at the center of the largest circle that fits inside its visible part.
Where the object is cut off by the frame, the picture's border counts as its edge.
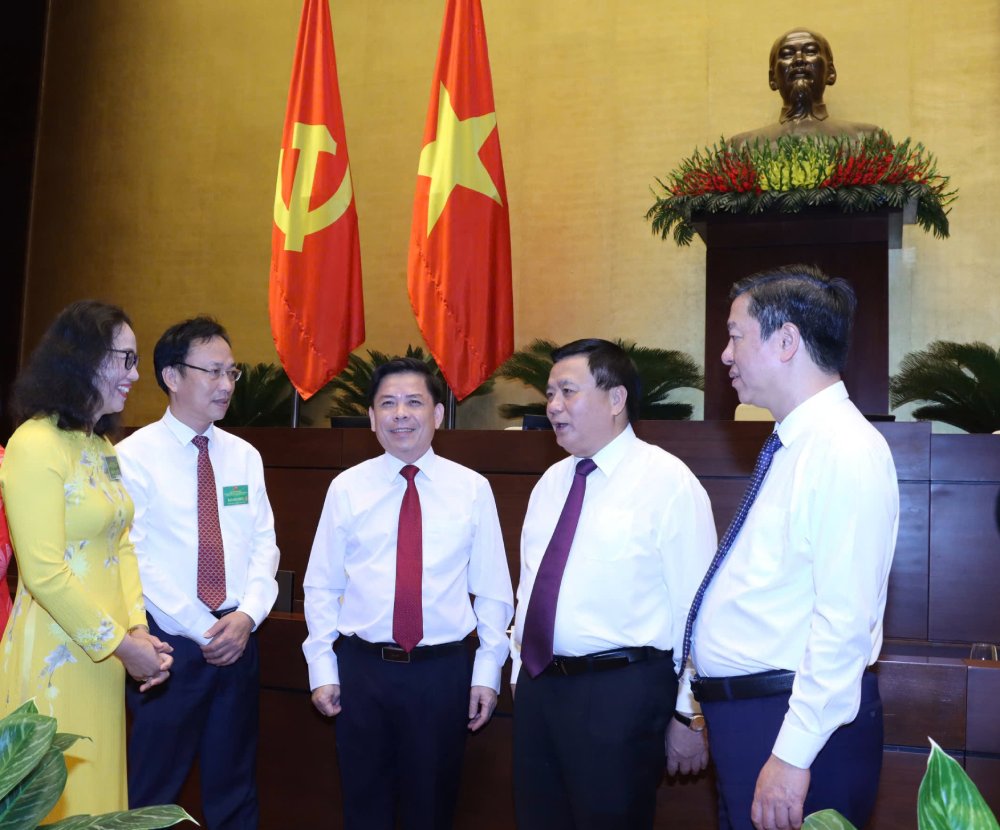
(211, 557)
(540, 621)
(407, 610)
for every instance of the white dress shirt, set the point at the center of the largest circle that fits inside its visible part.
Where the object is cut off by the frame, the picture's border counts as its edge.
(160, 469)
(803, 587)
(351, 578)
(643, 544)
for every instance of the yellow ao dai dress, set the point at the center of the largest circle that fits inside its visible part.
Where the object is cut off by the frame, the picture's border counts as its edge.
(78, 594)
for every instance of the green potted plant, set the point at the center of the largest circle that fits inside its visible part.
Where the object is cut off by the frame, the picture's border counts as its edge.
(661, 370)
(959, 384)
(947, 800)
(33, 774)
(262, 397)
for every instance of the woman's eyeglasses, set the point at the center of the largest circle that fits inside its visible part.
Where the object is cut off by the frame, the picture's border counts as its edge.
(131, 358)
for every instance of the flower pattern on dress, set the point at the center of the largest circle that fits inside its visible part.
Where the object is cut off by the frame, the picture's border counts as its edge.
(59, 656)
(77, 560)
(73, 491)
(92, 640)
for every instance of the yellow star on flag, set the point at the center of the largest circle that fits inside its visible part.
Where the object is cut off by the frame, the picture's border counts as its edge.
(453, 157)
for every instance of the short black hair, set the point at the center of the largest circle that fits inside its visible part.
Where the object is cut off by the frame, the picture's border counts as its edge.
(610, 365)
(820, 306)
(174, 344)
(59, 377)
(400, 365)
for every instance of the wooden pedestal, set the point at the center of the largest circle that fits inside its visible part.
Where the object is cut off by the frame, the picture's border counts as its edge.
(853, 246)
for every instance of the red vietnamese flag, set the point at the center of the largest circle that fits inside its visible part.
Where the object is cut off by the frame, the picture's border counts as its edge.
(317, 309)
(459, 271)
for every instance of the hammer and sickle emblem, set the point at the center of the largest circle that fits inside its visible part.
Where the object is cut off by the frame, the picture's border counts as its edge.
(296, 221)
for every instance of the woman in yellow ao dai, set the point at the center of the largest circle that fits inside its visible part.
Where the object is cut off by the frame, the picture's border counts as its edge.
(78, 621)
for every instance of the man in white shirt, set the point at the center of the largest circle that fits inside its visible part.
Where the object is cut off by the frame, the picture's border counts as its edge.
(793, 616)
(204, 538)
(596, 677)
(403, 541)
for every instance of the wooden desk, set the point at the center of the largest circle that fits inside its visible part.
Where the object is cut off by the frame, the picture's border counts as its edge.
(942, 595)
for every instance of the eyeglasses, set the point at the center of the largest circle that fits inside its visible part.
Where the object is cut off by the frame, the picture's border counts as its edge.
(131, 358)
(217, 373)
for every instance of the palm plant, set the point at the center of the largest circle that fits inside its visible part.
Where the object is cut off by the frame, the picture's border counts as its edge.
(959, 381)
(350, 387)
(660, 370)
(263, 397)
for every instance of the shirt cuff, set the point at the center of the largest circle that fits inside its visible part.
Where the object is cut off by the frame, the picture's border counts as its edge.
(686, 703)
(324, 671)
(796, 746)
(485, 672)
(254, 611)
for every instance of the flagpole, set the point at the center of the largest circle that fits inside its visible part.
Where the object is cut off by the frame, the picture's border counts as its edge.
(450, 409)
(295, 409)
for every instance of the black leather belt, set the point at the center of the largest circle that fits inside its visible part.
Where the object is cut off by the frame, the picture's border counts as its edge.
(742, 687)
(222, 612)
(392, 653)
(615, 658)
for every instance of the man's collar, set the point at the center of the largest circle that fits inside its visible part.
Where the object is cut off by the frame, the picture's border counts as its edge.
(611, 454)
(392, 465)
(182, 432)
(811, 410)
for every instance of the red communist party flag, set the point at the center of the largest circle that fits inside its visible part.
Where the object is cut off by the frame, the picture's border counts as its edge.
(459, 271)
(317, 309)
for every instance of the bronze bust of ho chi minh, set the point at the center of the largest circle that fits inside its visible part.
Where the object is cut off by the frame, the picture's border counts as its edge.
(801, 67)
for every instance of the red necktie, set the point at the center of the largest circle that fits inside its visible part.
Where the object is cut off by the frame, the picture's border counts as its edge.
(540, 621)
(211, 557)
(407, 610)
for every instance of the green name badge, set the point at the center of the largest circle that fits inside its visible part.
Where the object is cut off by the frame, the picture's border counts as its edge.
(111, 468)
(237, 494)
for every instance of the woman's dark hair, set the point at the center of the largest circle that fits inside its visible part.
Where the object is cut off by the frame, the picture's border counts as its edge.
(59, 377)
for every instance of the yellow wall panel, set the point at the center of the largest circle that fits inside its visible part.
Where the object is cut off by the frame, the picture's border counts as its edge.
(160, 125)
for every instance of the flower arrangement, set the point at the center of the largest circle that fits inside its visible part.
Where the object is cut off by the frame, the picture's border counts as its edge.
(794, 173)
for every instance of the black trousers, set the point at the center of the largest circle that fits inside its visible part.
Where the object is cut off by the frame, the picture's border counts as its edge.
(401, 737)
(206, 712)
(588, 749)
(741, 734)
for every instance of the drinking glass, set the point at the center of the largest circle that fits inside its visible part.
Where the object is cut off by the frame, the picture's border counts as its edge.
(983, 651)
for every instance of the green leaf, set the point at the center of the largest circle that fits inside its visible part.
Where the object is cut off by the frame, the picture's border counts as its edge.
(143, 818)
(827, 820)
(955, 383)
(263, 397)
(948, 800)
(350, 387)
(32, 799)
(26, 708)
(25, 737)
(64, 740)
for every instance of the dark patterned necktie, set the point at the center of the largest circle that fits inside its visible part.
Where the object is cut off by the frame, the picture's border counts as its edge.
(407, 609)
(540, 621)
(771, 446)
(211, 556)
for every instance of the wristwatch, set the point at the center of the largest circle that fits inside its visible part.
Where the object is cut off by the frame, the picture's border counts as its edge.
(696, 723)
